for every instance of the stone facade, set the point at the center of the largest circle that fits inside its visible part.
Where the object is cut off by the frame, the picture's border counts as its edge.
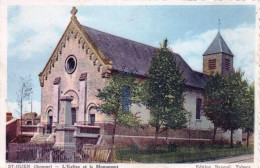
(220, 63)
(218, 59)
(70, 85)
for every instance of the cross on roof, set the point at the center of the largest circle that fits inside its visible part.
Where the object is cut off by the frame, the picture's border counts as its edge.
(73, 11)
(219, 23)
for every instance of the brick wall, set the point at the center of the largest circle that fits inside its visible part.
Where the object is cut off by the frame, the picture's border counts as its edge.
(12, 129)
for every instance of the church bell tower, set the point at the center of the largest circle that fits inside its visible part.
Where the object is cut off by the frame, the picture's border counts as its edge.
(217, 58)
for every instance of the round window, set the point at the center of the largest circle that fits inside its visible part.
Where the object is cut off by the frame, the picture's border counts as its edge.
(71, 64)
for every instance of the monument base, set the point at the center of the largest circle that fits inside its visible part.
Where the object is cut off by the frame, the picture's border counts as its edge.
(65, 138)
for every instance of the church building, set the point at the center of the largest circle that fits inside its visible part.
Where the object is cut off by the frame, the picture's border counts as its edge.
(83, 61)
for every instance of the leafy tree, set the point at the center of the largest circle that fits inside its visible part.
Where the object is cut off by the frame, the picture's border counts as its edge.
(247, 115)
(235, 89)
(23, 94)
(163, 92)
(227, 103)
(213, 101)
(116, 104)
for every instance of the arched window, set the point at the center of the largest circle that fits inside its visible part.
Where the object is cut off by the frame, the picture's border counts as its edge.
(126, 94)
(50, 120)
(92, 115)
(73, 115)
(50, 114)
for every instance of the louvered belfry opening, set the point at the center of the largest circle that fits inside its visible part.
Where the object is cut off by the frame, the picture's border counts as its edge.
(212, 64)
(227, 64)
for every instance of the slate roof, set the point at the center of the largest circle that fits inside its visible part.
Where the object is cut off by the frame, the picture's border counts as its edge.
(218, 45)
(137, 56)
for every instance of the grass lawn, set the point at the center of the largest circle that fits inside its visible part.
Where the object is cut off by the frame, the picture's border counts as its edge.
(178, 154)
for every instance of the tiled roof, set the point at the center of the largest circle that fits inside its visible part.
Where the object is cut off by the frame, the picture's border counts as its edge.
(218, 45)
(132, 55)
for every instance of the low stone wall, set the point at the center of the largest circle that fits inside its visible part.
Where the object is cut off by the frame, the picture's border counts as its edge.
(82, 140)
(145, 137)
(150, 131)
(124, 141)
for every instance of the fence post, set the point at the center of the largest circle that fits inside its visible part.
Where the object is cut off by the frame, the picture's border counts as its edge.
(95, 152)
(113, 154)
(51, 156)
(38, 154)
(17, 153)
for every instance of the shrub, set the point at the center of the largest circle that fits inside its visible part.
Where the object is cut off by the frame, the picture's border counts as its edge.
(149, 149)
(172, 147)
(201, 146)
(134, 148)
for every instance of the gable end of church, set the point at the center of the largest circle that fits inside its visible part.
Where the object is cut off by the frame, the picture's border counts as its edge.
(74, 30)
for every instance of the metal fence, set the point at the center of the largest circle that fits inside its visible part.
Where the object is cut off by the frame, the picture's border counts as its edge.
(29, 152)
(43, 153)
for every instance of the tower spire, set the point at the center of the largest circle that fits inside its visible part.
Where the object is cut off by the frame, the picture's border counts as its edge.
(218, 58)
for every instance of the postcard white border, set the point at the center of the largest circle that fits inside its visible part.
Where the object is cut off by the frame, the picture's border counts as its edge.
(3, 72)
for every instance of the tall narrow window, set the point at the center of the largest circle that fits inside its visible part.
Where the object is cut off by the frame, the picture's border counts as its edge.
(73, 116)
(212, 64)
(227, 64)
(198, 108)
(126, 93)
(49, 125)
(92, 115)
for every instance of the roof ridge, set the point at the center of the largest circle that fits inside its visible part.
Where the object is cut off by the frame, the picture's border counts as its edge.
(120, 37)
(136, 55)
(177, 54)
(220, 45)
(219, 40)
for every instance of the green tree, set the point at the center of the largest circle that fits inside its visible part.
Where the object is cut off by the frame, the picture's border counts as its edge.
(116, 103)
(214, 101)
(164, 92)
(234, 88)
(247, 115)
